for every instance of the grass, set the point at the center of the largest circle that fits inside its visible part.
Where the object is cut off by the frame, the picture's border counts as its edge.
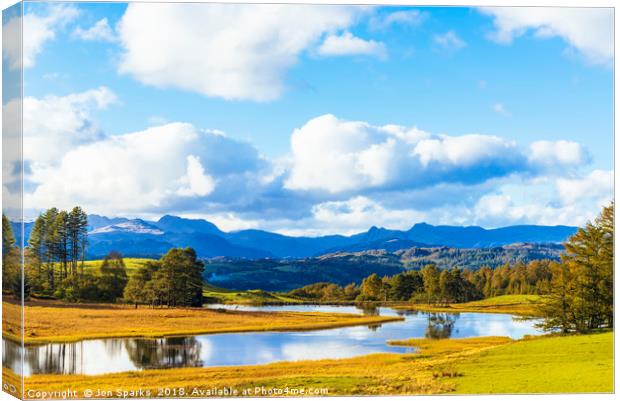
(50, 321)
(523, 305)
(249, 297)
(474, 365)
(93, 266)
(555, 364)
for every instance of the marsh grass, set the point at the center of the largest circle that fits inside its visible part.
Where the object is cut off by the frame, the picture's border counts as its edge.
(50, 321)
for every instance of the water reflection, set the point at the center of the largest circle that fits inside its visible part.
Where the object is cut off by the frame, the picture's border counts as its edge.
(164, 352)
(440, 325)
(129, 354)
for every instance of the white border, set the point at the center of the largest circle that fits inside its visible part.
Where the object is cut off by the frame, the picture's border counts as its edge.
(548, 3)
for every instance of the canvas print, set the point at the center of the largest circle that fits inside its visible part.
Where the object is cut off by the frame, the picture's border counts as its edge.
(256, 200)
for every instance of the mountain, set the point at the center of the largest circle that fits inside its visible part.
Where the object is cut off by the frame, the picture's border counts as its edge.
(142, 238)
(478, 237)
(180, 225)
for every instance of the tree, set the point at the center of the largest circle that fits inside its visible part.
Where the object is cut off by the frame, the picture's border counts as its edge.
(78, 238)
(351, 291)
(370, 289)
(178, 281)
(430, 275)
(113, 277)
(139, 289)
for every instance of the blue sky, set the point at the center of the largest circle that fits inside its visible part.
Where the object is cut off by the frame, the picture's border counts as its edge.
(312, 120)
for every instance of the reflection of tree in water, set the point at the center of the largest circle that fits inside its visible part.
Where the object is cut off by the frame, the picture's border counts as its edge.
(164, 352)
(64, 358)
(11, 355)
(374, 327)
(368, 310)
(440, 325)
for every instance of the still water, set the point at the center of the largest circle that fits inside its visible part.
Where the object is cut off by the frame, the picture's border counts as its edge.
(126, 354)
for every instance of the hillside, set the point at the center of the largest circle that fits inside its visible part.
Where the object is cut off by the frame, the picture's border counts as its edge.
(343, 268)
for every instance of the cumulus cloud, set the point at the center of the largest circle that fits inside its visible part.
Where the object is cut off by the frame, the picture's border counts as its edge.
(53, 125)
(589, 30)
(562, 153)
(195, 182)
(337, 156)
(349, 45)
(38, 28)
(232, 51)
(139, 172)
(100, 31)
(449, 41)
(598, 185)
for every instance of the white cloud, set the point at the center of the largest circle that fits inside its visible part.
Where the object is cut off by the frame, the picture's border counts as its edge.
(334, 155)
(140, 172)
(401, 17)
(597, 185)
(499, 108)
(465, 150)
(232, 51)
(54, 125)
(195, 182)
(589, 30)
(359, 213)
(449, 41)
(349, 45)
(328, 154)
(38, 28)
(100, 31)
(562, 153)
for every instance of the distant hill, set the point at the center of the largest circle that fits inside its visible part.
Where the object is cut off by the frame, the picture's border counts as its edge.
(345, 267)
(142, 238)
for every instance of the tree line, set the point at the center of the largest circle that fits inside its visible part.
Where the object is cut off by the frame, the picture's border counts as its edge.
(436, 286)
(577, 292)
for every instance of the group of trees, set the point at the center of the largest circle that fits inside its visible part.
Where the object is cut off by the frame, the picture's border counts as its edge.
(436, 286)
(56, 248)
(11, 255)
(174, 280)
(580, 296)
(54, 267)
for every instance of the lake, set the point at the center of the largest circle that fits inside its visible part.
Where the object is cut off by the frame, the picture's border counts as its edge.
(128, 354)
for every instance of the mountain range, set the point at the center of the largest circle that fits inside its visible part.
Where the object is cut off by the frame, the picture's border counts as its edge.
(142, 238)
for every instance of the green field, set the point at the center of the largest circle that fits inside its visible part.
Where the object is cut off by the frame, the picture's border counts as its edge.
(255, 297)
(524, 305)
(93, 266)
(556, 364)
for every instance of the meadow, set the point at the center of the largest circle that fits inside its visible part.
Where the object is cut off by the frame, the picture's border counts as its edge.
(522, 305)
(51, 321)
(576, 363)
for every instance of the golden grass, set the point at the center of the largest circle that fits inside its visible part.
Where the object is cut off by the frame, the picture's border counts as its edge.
(472, 365)
(49, 321)
(373, 374)
(522, 305)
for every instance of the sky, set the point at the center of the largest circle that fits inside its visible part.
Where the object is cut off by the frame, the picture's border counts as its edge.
(316, 119)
